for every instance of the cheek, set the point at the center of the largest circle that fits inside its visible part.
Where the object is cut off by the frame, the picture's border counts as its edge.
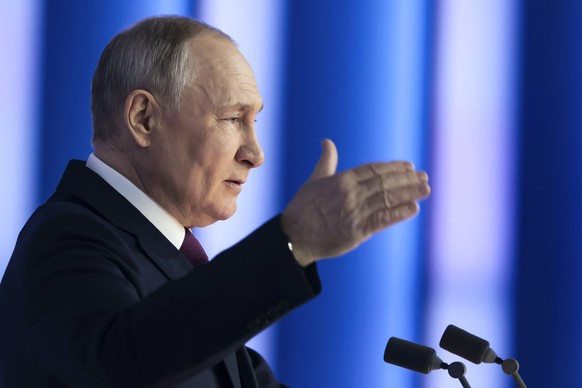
(218, 160)
(212, 165)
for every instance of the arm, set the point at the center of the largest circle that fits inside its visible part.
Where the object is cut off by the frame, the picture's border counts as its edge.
(92, 325)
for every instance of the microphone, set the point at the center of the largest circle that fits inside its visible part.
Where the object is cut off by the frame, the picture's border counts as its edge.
(410, 355)
(477, 350)
(468, 346)
(420, 358)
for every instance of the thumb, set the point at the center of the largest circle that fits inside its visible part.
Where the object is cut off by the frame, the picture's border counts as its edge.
(327, 163)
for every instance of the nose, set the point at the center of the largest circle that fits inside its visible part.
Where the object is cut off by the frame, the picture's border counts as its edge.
(250, 152)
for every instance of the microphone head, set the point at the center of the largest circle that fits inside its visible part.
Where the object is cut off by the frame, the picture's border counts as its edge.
(467, 345)
(410, 355)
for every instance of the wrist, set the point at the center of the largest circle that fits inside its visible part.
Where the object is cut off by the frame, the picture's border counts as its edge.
(301, 256)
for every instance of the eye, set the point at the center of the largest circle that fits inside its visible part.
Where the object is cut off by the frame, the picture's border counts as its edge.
(232, 120)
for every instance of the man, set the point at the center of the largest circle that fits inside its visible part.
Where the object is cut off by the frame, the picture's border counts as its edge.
(99, 291)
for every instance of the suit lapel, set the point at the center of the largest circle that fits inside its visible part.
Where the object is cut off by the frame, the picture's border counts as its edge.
(232, 367)
(83, 183)
(245, 368)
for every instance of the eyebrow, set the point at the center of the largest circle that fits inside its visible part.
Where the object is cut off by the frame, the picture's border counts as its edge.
(247, 107)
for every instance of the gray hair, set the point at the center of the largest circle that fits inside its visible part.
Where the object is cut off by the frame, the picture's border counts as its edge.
(151, 55)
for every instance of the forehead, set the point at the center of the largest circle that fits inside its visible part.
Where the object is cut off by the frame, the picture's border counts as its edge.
(221, 72)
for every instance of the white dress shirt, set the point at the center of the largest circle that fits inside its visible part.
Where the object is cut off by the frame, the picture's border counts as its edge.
(160, 218)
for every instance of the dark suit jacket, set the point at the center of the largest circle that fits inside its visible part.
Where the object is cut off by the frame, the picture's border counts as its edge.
(95, 296)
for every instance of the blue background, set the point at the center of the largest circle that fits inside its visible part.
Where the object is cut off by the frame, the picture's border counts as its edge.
(370, 75)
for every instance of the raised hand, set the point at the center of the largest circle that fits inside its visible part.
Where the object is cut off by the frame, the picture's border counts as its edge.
(332, 214)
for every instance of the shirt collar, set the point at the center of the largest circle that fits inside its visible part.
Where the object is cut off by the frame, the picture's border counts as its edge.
(160, 218)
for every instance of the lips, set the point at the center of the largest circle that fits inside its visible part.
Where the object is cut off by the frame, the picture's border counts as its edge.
(238, 181)
(235, 184)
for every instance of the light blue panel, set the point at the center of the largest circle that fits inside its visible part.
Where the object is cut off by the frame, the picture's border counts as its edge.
(474, 169)
(19, 67)
(356, 74)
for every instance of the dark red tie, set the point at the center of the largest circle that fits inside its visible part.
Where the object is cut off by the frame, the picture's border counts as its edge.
(192, 249)
(194, 252)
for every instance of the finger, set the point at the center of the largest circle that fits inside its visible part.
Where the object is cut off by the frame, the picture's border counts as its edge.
(327, 163)
(381, 220)
(390, 199)
(367, 171)
(393, 181)
(396, 215)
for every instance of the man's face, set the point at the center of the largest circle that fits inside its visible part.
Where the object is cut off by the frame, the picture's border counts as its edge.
(203, 152)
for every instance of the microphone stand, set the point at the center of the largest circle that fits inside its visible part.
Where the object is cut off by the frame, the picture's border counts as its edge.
(510, 367)
(457, 370)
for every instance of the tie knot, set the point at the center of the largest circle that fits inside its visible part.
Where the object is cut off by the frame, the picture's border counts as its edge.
(192, 249)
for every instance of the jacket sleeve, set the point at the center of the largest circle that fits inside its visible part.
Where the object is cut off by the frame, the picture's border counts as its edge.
(91, 324)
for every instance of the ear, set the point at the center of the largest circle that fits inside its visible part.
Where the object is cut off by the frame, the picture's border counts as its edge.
(140, 113)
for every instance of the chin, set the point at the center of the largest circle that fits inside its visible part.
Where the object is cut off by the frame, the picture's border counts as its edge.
(221, 214)
(227, 215)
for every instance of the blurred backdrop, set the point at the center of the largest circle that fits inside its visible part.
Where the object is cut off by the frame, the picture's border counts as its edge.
(484, 95)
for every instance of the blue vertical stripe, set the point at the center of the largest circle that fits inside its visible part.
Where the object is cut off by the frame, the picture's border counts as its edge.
(355, 74)
(549, 292)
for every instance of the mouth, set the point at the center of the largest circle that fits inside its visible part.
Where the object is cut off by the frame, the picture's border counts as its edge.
(235, 184)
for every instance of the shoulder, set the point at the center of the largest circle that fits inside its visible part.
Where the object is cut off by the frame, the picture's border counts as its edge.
(67, 227)
(56, 219)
